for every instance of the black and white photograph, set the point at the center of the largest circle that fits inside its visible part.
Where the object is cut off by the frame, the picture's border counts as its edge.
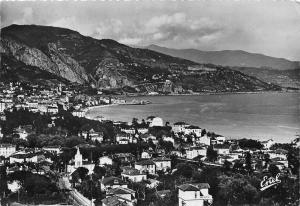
(150, 103)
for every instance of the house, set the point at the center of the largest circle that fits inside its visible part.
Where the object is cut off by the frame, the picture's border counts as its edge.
(22, 132)
(146, 166)
(124, 141)
(194, 194)
(220, 139)
(34, 157)
(142, 130)
(124, 193)
(124, 157)
(204, 140)
(146, 155)
(108, 183)
(53, 149)
(7, 149)
(195, 151)
(281, 153)
(78, 113)
(133, 174)
(163, 193)
(93, 135)
(52, 109)
(193, 130)
(156, 122)
(281, 161)
(127, 129)
(222, 149)
(179, 127)
(267, 143)
(114, 201)
(168, 139)
(123, 136)
(152, 183)
(105, 160)
(162, 163)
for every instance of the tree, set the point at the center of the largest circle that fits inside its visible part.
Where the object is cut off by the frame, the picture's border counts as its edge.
(227, 166)
(274, 170)
(203, 132)
(135, 122)
(248, 162)
(211, 154)
(236, 191)
(99, 172)
(80, 172)
(250, 144)
(293, 160)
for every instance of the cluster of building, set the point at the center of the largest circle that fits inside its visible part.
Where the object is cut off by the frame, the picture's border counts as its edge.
(49, 100)
(188, 143)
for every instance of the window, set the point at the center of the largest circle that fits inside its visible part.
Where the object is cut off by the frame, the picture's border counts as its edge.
(195, 195)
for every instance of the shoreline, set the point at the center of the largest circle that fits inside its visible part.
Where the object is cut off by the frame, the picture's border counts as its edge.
(87, 109)
(205, 93)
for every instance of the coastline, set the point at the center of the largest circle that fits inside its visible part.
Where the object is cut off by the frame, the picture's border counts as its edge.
(207, 93)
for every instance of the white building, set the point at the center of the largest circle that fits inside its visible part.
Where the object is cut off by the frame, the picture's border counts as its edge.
(222, 149)
(268, 143)
(162, 163)
(124, 136)
(193, 130)
(146, 155)
(146, 166)
(78, 113)
(53, 149)
(133, 175)
(179, 127)
(105, 160)
(220, 139)
(195, 151)
(157, 122)
(194, 194)
(108, 183)
(204, 140)
(7, 149)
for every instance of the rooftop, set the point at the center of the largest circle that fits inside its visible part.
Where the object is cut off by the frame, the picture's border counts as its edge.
(194, 186)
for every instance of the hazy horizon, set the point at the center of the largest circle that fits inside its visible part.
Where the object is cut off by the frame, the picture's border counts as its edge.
(267, 27)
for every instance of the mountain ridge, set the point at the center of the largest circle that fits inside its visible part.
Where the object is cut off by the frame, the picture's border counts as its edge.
(108, 64)
(229, 58)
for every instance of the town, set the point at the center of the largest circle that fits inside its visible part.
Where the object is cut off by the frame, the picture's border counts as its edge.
(51, 153)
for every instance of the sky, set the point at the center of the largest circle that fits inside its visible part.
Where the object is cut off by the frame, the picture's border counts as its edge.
(260, 26)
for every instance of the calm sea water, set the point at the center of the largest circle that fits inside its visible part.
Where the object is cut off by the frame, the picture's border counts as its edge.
(257, 116)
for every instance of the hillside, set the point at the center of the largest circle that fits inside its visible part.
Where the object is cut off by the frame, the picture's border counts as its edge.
(42, 52)
(235, 58)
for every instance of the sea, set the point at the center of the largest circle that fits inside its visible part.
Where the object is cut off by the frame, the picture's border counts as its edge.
(259, 116)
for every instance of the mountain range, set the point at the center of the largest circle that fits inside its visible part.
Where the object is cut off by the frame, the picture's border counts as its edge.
(232, 58)
(43, 54)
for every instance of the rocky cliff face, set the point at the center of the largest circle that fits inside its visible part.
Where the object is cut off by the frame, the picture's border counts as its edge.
(56, 63)
(107, 64)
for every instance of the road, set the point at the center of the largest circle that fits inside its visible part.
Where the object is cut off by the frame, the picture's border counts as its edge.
(75, 197)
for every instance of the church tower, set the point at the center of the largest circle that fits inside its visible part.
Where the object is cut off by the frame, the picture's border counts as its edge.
(78, 159)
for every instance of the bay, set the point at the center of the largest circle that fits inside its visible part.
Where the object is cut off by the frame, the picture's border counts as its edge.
(257, 116)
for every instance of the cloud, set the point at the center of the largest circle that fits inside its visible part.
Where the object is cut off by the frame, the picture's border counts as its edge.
(65, 22)
(159, 29)
(130, 41)
(26, 16)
